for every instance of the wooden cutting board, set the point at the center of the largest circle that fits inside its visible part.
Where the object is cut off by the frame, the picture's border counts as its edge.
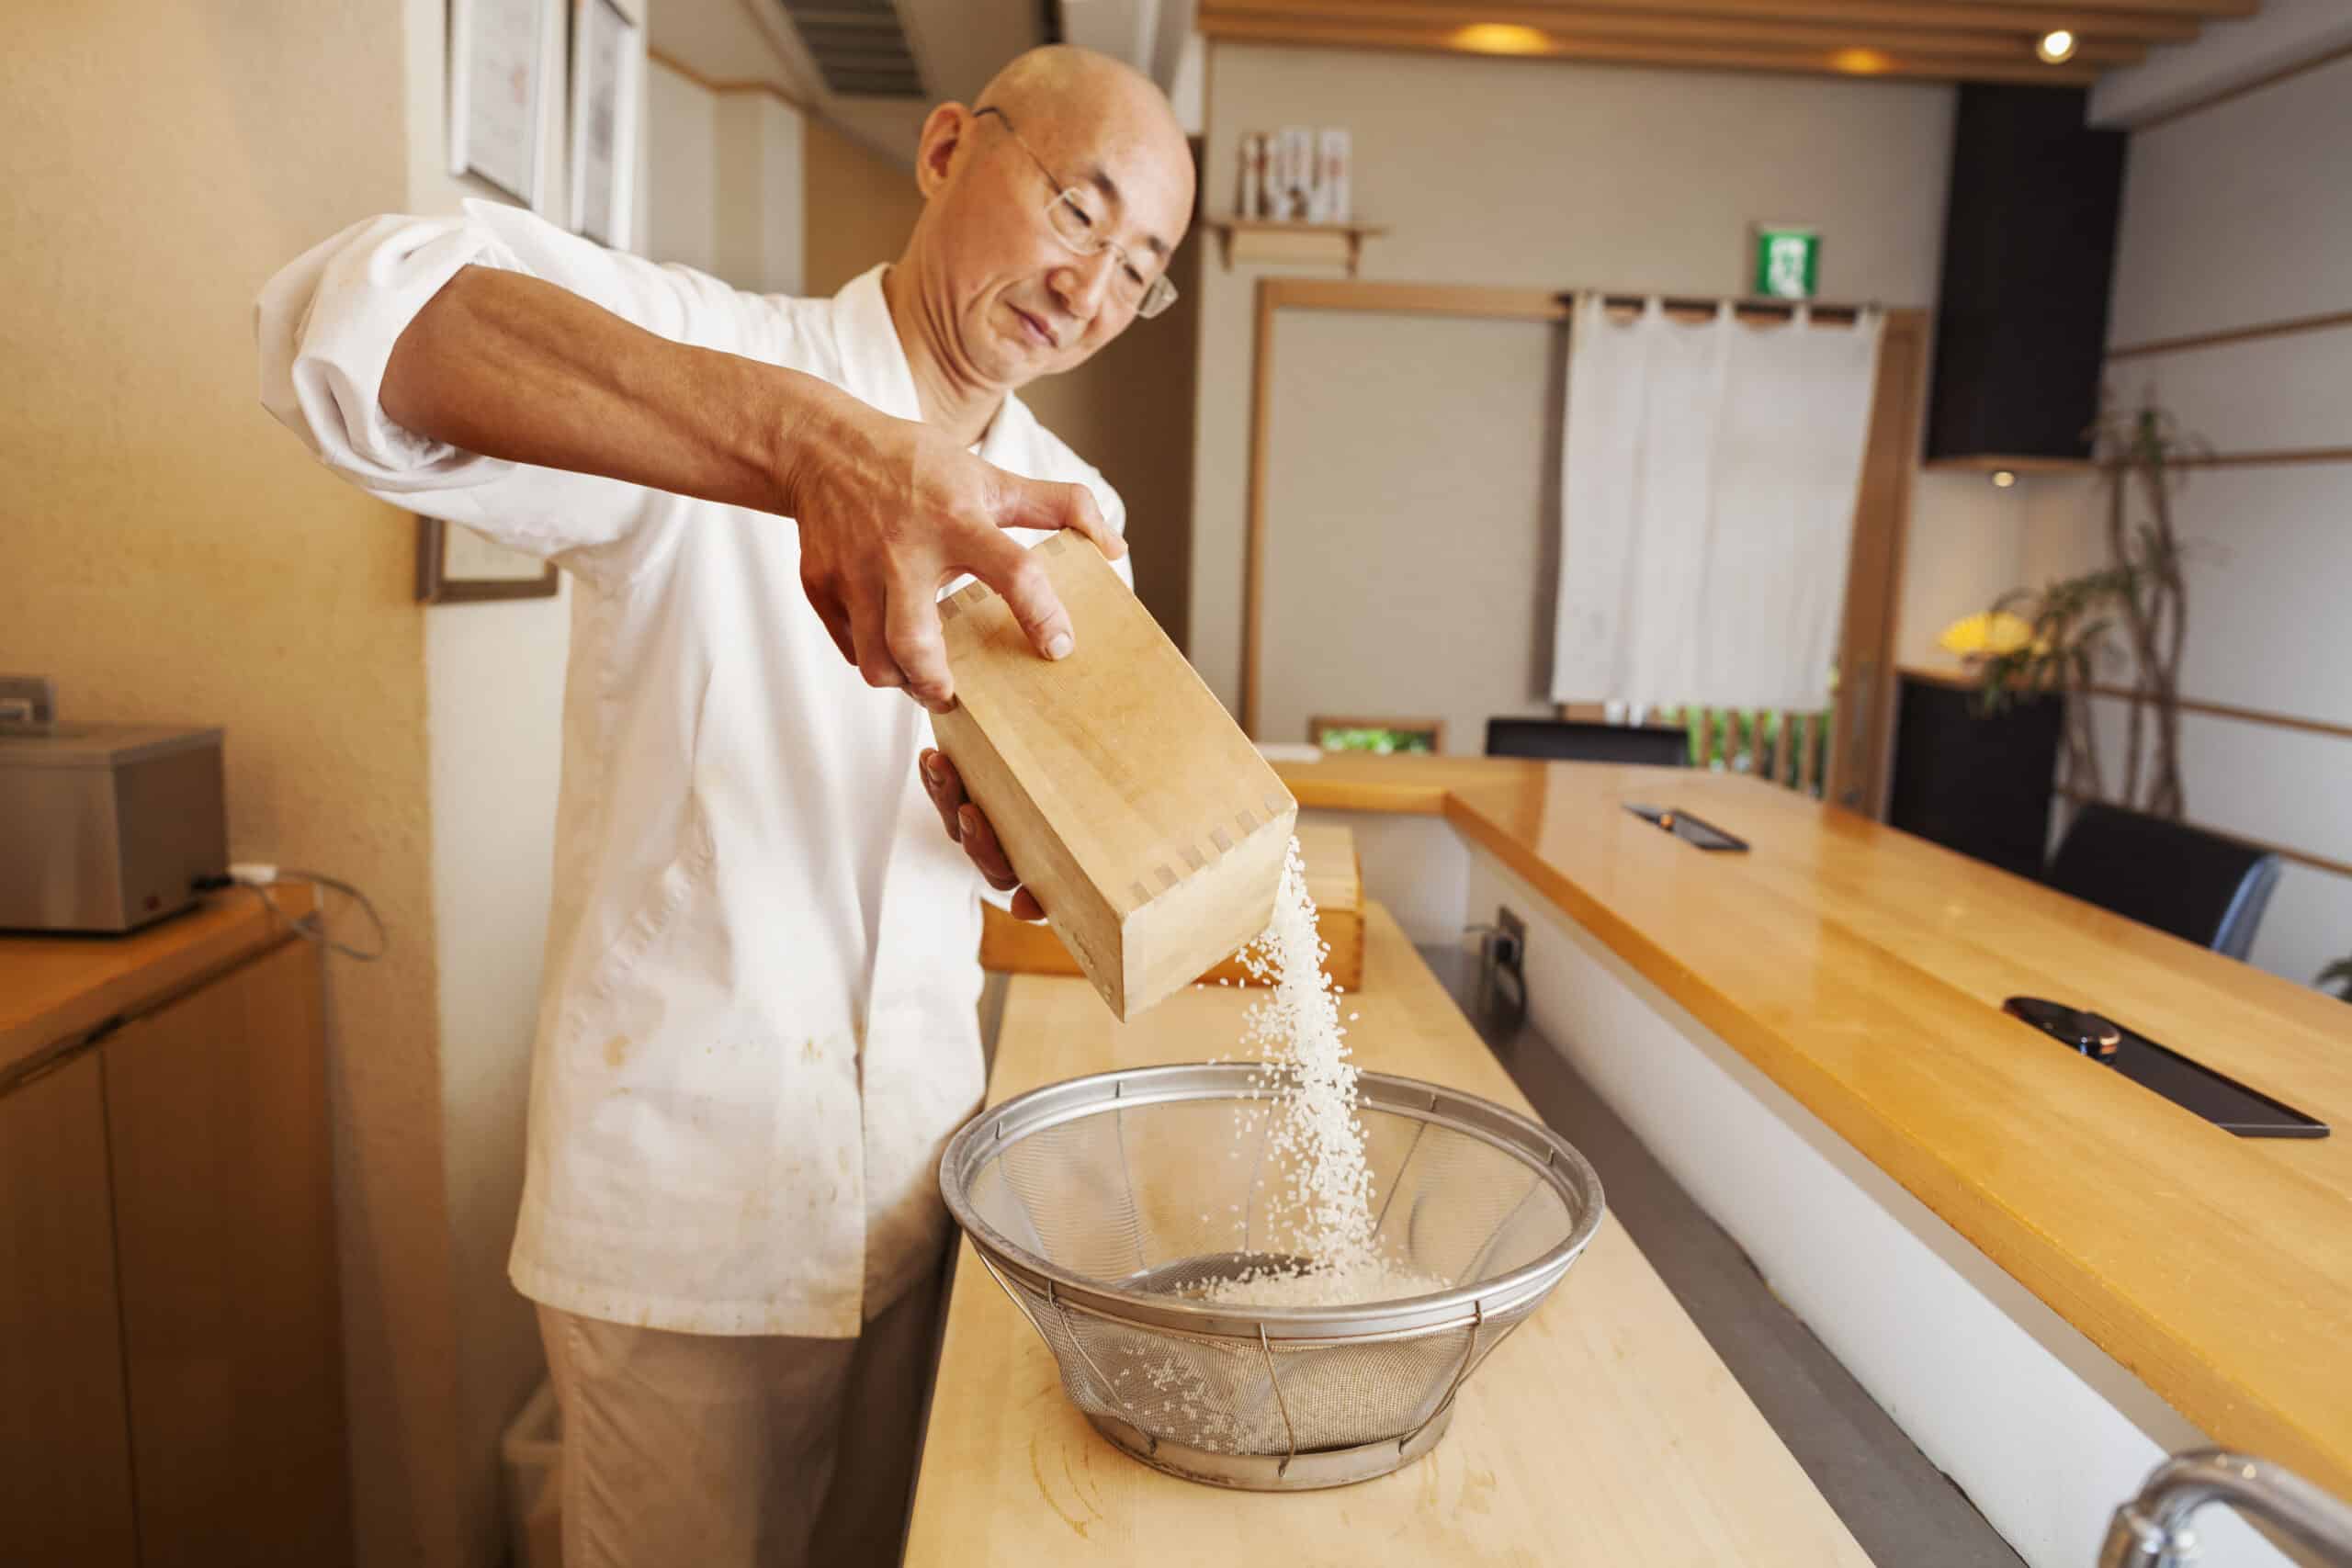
(1334, 880)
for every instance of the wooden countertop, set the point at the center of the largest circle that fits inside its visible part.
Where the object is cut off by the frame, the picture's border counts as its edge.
(54, 987)
(1604, 1430)
(1863, 969)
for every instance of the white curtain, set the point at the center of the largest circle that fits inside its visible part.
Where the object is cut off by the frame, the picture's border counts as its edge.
(1707, 504)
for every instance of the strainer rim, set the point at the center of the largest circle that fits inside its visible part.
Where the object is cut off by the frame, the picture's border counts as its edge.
(1571, 1176)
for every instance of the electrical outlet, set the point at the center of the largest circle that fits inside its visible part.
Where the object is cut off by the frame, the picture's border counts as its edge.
(1502, 976)
(28, 700)
(1510, 944)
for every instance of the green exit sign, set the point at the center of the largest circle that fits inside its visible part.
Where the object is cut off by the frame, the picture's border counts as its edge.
(1788, 261)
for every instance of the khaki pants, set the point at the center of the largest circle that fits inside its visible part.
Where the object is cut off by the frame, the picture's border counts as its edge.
(740, 1452)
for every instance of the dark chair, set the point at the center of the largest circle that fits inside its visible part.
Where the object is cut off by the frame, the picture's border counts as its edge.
(1581, 740)
(2180, 879)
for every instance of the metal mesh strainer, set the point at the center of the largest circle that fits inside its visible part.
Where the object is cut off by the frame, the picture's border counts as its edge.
(1103, 1204)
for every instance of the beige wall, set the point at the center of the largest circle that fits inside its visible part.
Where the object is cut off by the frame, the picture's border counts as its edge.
(1965, 548)
(493, 693)
(859, 209)
(172, 555)
(1129, 412)
(1415, 579)
(1529, 174)
(2233, 216)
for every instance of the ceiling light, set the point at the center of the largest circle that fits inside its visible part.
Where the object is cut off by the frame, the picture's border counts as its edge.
(2056, 46)
(1859, 62)
(1502, 37)
(2002, 478)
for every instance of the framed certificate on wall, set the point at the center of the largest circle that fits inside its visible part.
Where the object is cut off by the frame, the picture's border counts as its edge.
(497, 74)
(457, 566)
(607, 84)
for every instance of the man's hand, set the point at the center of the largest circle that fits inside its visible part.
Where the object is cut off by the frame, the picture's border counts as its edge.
(969, 828)
(890, 510)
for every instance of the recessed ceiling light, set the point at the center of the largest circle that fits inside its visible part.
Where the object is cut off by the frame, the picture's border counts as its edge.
(1502, 37)
(1859, 62)
(2056, 46)
(2002, 478)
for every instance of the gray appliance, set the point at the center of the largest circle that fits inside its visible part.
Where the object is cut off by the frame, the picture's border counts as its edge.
(104, 826)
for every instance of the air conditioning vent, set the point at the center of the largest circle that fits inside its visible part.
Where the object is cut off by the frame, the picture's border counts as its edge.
(859, 45)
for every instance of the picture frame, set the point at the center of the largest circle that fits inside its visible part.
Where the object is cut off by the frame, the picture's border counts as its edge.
(498, 71)
(607, 94)
(457, 565)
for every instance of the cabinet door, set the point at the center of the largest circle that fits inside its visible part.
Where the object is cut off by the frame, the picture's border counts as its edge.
(64, 1432)
(224, 1214)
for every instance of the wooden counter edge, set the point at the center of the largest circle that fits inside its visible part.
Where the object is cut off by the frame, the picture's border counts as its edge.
(129, 972)
(2226, 1408)
(1328, 794)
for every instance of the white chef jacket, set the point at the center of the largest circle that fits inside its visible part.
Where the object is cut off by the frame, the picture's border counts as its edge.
(757, 1019)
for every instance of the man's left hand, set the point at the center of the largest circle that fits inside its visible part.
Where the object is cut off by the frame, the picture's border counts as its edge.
(969, 828)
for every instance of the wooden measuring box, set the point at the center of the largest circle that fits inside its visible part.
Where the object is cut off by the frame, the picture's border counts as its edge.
(1334, 880)
(1148, 827)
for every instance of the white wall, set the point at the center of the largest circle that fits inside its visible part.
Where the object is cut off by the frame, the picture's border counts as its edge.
(726, 182)
(2237, 215)
(758, 193)
(1505, 172)
(682, 164)
(2228, 54)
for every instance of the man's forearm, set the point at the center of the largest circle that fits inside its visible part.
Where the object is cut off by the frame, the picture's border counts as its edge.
(513, 366)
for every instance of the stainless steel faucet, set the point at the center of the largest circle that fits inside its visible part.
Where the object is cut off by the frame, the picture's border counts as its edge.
(2152, 1530)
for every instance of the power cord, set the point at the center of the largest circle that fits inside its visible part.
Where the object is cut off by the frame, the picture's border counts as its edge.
(260, 878)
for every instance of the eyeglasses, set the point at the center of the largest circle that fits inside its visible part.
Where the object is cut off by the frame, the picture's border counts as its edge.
(1078, 221)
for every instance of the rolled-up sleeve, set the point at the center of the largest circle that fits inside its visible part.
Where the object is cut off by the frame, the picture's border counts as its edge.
(325, 326)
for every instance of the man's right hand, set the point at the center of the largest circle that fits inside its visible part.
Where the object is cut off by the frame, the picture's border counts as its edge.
(890, 510)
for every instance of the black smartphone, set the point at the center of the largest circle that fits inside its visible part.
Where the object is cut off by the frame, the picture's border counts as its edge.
(2223, 1102)
(1689, 829)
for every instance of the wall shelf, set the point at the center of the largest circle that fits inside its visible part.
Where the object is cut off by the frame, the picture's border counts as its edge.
(1277, 240)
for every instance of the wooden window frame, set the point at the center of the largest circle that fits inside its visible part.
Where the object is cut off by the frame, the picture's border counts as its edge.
(1865, 703)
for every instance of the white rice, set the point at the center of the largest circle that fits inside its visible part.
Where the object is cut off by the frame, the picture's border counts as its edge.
(1316, 1139)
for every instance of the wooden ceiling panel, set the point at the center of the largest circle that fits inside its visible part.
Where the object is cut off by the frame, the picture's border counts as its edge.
(2016, 18)
(1970, 40)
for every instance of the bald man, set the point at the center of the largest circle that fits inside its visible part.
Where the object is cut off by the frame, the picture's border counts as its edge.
(757, 1023)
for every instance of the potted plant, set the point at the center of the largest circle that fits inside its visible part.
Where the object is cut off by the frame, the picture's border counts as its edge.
(2053, 639)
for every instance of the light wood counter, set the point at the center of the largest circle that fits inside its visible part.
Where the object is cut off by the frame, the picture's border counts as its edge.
(1604, 1430)
(171, 1373)
(54, 987)
(1862, 970)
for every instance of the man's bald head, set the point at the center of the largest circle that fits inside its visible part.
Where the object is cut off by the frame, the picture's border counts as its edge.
(1062, 83)
(1015, 298)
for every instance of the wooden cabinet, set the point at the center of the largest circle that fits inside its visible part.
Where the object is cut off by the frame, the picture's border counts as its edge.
(171, 1379)
(1978, 782)
(64, 1450)
(2029, 245)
